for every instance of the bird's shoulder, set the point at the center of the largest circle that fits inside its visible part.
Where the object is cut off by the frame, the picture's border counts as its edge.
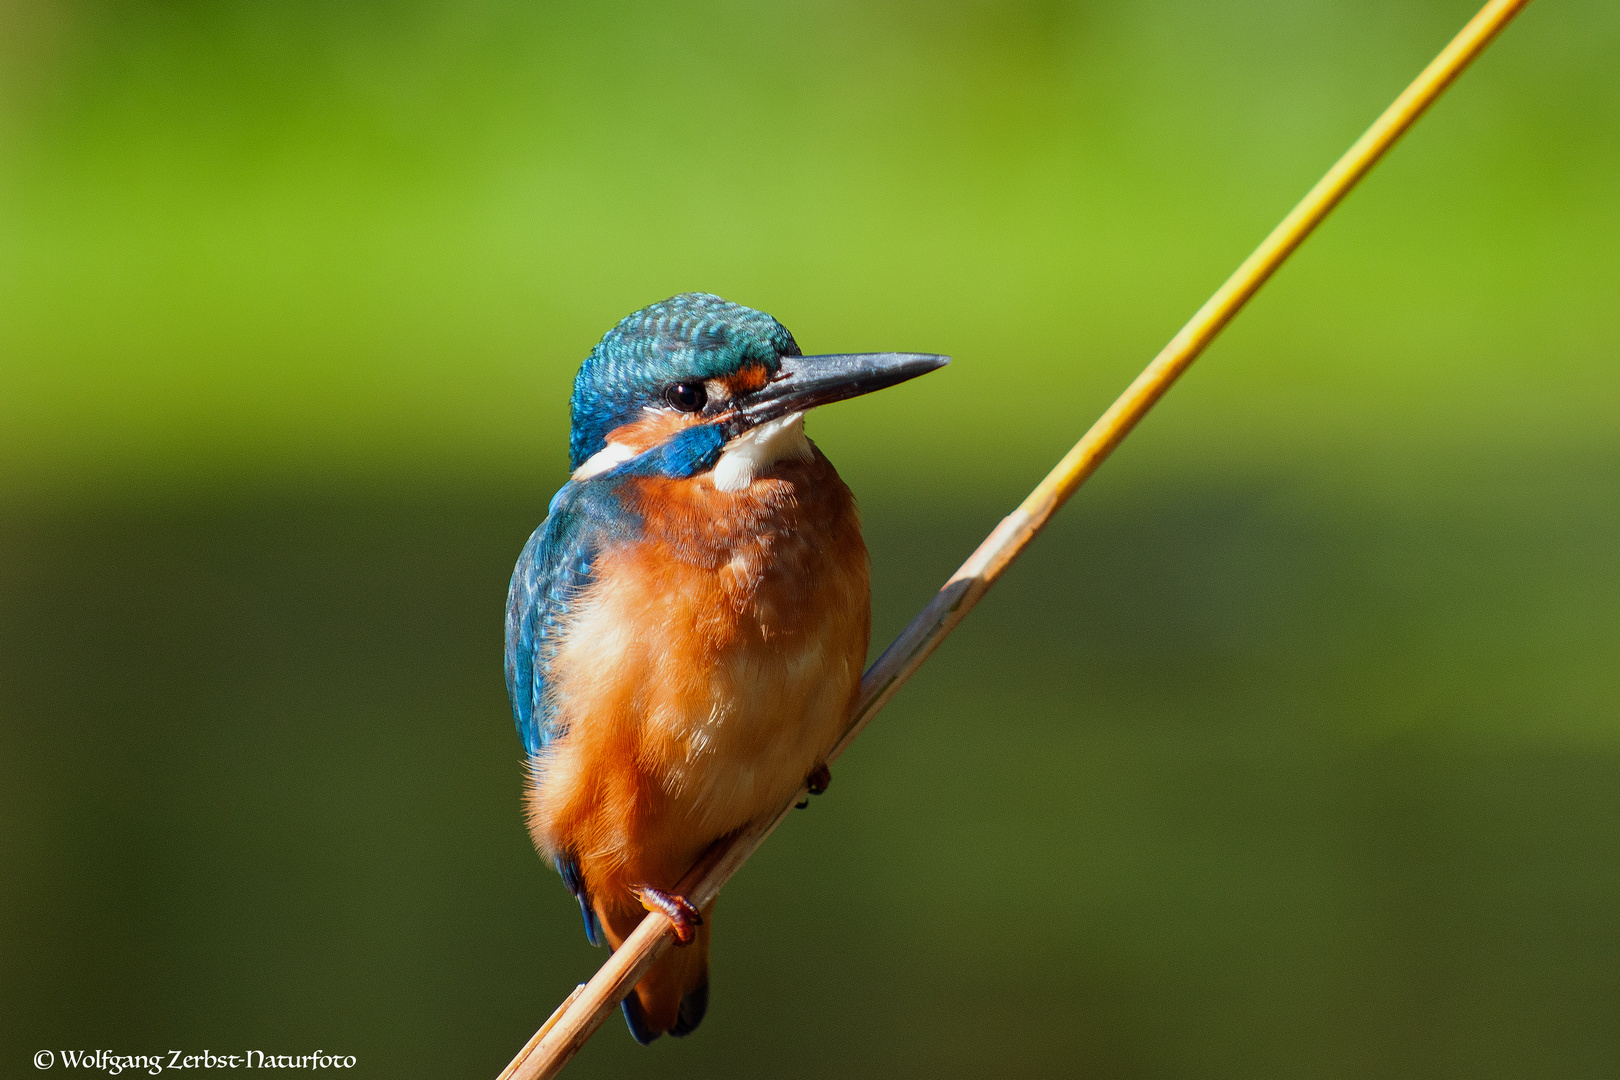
(554, 567)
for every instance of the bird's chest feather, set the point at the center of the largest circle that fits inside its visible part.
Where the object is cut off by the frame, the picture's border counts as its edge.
(712, 662)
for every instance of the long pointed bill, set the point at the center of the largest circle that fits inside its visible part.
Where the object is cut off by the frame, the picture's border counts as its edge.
(803, 382)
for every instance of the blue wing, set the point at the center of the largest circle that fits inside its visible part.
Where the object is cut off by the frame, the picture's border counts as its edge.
(554, 567)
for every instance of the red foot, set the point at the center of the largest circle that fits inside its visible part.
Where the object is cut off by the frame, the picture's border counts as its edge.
(678, 909)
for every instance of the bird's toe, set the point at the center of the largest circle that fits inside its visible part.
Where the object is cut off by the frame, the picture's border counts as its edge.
(819, 780)
(684, 917)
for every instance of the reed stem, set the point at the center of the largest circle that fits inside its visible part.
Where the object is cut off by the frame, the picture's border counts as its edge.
(578, 1018)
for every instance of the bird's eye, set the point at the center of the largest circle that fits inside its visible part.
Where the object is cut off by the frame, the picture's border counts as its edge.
(686, 397)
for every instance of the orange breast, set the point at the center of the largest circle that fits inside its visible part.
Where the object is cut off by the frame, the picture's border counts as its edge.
(706, 671)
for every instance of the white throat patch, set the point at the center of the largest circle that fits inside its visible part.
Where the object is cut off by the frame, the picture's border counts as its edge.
(757, 449)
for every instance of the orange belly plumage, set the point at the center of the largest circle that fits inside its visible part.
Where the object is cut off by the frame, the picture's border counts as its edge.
(703, 674)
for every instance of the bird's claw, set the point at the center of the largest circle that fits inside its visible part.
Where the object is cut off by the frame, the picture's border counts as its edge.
(818, 780)
(814, 784)
(683, 917)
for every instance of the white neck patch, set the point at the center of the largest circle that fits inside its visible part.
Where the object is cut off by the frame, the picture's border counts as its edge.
(757, 449)
(614, 453)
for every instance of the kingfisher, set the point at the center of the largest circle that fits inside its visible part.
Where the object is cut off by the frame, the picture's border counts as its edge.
(685, 631)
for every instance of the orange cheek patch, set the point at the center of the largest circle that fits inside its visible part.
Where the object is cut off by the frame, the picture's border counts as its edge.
(747, 380)
(651, 429)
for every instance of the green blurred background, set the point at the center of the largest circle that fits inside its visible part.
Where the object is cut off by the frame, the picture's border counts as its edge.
(1292, 749)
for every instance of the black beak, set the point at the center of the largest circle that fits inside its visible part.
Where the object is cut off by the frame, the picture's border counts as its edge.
(803, 382)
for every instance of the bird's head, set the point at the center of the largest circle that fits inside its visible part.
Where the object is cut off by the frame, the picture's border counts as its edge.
(690, 374)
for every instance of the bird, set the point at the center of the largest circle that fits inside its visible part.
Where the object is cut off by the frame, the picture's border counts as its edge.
(686, 629)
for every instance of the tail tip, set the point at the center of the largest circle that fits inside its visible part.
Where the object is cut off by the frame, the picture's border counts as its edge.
(636, 1020)
(693, 1007)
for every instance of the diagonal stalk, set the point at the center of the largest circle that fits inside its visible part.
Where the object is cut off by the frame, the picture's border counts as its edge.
(578, 1018)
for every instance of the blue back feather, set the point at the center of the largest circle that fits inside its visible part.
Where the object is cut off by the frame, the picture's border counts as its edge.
(554, 568)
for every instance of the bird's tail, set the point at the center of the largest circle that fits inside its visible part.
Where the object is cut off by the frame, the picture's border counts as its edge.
(674, 993)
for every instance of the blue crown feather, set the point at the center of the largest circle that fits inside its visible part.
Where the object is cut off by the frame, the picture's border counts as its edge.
(687, 338)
